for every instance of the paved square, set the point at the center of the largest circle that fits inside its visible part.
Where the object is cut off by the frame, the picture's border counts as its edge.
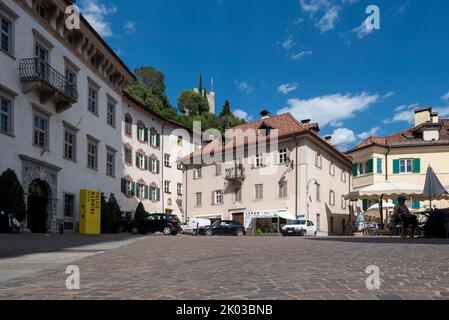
(185, 267)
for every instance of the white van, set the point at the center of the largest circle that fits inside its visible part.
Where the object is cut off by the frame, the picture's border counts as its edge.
(193, 224)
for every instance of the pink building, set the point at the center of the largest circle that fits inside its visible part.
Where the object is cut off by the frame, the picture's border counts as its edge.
(268, 172)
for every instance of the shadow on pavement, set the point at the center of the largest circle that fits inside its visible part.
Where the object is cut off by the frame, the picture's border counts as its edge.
(17, 245)
(383, 240)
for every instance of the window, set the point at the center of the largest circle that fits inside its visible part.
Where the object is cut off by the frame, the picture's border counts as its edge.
(180, 141)
(41, 53)
(332, 198)
(70, 76)
(344, 176)
(238, 195)
(318, 191)
(318, 222)
(332, 169)
(155, 194)
(180, 166)
(92, 155)
(42, 11)
(141, 133)
(318, 160)
(69, 205)
(111, 114)
(5, 35)
(283, 158)
(259, 192)
(140, 190)
(167, 186)
(197, 173)
(128, 125)
(154, 166)
(198, 199)
(128, 187)
(218, 169)
(406, 165)
(141, 161)
(5, 116)
(343, 202)
(167, 160)
(128, 155)
(93, 100)
(110, 163)
(69, 144)
(154, 139)
(218, 197)
(40, 136)
(283, 189)
(179, 189)
(259, 160)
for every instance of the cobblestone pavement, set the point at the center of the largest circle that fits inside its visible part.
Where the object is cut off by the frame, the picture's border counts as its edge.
(185, 267)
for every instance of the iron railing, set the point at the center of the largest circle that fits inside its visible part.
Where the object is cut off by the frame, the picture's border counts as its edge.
(34, 69)
(238, 172)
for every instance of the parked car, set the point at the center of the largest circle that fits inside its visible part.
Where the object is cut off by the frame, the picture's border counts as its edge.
(301, 227)
(223, 228)
(193, 225)
(168, 224)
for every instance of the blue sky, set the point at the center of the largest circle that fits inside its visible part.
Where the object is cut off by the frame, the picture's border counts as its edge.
(310, 57)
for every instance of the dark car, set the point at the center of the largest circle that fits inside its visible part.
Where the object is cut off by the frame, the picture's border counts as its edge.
(168, 224)
(223, 228)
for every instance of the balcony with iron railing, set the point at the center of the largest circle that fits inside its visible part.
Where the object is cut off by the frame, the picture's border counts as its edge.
(236, 173)
(51, 85)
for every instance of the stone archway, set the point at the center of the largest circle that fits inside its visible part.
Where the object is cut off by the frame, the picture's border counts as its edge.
(47, 175)
(37, 213)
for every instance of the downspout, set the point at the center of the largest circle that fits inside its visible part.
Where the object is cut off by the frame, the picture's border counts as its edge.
(162, 168)
(296, 177)
(186, 193)
(386, 162)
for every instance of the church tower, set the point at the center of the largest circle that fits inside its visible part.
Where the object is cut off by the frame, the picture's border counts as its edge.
(210, 96)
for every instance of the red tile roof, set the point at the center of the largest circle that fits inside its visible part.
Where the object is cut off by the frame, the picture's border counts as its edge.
(408, 137)
(286, 125)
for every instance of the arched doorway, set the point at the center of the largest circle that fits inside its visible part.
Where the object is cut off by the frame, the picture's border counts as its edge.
(37, 214)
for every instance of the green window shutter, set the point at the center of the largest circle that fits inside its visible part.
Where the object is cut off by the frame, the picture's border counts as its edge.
(396, 165)
(158, 164)
(133, 188)
(151, 193)
(123, 188)
(355, 169)
(370, 166)
(158, 140)
(365, 205)
(146, 192)
(137, 160)
(158, 194)
(146, 134)
(379, 166)
(416, 204)
(417, 165)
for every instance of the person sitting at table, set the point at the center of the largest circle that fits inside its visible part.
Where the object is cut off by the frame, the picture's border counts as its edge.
(402, 213)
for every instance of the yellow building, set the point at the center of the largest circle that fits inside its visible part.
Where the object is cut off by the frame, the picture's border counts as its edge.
(404, 156)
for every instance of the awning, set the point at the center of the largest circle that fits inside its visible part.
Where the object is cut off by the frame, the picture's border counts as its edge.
(287, 215)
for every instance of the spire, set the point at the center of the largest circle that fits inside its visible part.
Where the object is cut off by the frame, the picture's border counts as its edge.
(212, 85)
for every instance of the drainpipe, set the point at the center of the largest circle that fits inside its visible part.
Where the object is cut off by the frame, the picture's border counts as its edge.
(162, 168)
(186, 193)
(296, 177)
(386, 163)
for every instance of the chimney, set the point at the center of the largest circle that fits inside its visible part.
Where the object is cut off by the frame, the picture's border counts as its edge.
(306, 121)
(422, 115)
(265, 114)
(434, 117)
(328, 138)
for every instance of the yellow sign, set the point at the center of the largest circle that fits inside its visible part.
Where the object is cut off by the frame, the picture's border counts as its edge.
(90, 212)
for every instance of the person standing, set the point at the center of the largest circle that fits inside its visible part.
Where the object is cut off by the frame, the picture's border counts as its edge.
(361, 222)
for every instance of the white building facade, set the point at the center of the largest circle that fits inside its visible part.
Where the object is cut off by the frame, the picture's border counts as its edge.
(61, 94)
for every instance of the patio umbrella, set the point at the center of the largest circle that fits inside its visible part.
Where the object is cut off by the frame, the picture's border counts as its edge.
(385, 191)
(433, 189)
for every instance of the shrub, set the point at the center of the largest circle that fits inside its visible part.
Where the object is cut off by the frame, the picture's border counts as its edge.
(11, 195)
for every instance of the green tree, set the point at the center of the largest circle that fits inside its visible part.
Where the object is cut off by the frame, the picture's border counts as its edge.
(200, 86)
(152, 78)
(11, 195)
(192, 103)
(115, 215)
(104, 215)
(226, 111)
(140, 214)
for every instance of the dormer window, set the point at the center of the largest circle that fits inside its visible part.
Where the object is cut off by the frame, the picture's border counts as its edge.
(42, 11)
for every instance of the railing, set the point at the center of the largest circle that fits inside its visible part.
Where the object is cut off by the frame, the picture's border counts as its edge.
(235, 173)
(36, 70)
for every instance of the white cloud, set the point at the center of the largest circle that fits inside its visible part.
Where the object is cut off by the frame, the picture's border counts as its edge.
(244, 86)
(443, 112)
(330, 109)
(388, 95)
(367, 134)
(287, 87)
(362, 31)
(242, 114)
(328, 20)
(445, 97)
(301, 55)
(289, 42)
(342, 137)
(403, 113)
(96, 14)
(130, 27)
